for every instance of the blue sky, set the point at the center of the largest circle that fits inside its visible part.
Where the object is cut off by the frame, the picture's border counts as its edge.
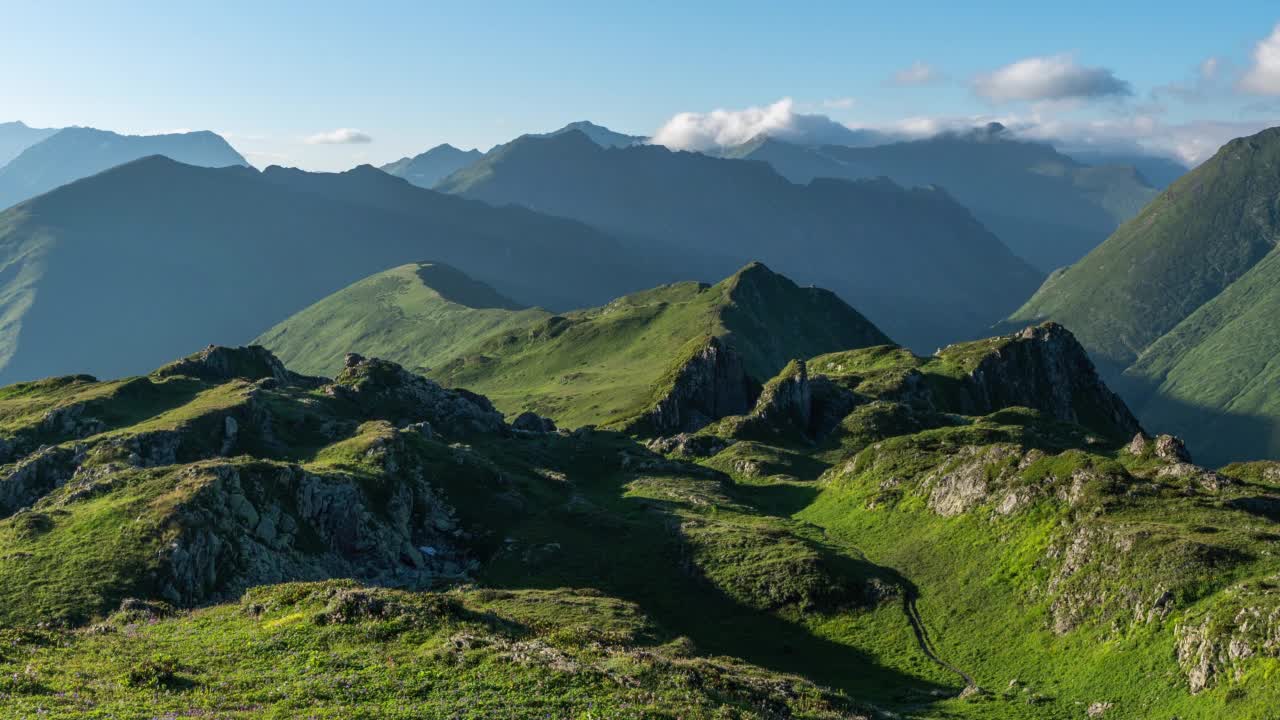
(270, 75)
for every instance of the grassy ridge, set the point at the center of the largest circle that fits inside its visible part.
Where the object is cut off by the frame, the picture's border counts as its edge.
(595, 366)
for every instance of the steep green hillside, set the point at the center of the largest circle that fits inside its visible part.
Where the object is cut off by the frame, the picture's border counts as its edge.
(1199, 236)
(1182, 300)
(604, 365)
(432, 166)
(420, 315)
(117, 272)
(1213, 377)
(75, 153)
(916, 262)
(1048, 208)
(968, 535)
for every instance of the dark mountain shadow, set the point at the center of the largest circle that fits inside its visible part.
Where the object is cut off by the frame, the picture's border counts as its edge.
(596, 536)
(1214, 437)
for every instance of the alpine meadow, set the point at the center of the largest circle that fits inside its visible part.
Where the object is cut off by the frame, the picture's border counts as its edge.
(564, 360)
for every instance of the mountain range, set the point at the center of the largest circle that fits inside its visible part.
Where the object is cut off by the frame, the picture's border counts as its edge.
(432, 166)
(75, 153)
(553, 443)
(914, 260)
(17, 136)
(109, 273)
(1048, 208)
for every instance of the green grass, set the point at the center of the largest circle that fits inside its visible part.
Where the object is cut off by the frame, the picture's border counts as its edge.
(1151, 273)
(591, 367)
(396, 315)
(602, 580)
(336, 650)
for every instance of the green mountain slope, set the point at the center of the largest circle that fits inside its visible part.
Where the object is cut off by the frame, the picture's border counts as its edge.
(17, 136)
(604, 365)
(116, 272)
(1199, 236)
(915, 261)
(1213, 377)
(421, 315)
(75, 153)
(432, 166)
(1048, 208)
(966, 535)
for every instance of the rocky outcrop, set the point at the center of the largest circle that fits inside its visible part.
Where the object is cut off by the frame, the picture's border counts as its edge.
(533, 422)
(219, 364)
(710, 384)
(33, 477)
(688, 445)
(1215, 647)
(260, 523)
(1043, 367)
(966, 479)
(386, 390)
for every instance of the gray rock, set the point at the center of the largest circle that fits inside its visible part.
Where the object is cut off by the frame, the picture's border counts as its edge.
(532, 422)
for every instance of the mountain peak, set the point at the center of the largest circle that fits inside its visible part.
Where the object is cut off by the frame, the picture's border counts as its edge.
(455, 286)
(598, 134)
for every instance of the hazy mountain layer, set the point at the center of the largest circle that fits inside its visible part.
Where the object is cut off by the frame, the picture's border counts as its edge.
(17, 136)
(914, 261)
(432, 166)
(76, 153)
(114, 272)
(1048, 208)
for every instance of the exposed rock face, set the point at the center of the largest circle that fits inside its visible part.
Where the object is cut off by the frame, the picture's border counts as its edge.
(1212, 647)
(710, 385)
(533, 422)
(788, 400)
(220, 364)
(962, 483)
(384, 389)
(689, 445)
(260, 523)
(795, 400)
(34, 476)
(1043, 367)
(1172, 449)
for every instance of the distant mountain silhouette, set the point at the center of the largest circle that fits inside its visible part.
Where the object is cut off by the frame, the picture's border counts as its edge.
(16, 137)
(432, 166)
(76, 153)
(1159, 172)
(154, 258)
(600, 135)
(915, 261)
(1048, 208)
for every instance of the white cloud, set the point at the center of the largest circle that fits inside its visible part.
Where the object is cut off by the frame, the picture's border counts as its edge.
(919, 73)
(843, 103)
(726, 128)
(341, 136)
(1053, 77)
(1263, 76)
